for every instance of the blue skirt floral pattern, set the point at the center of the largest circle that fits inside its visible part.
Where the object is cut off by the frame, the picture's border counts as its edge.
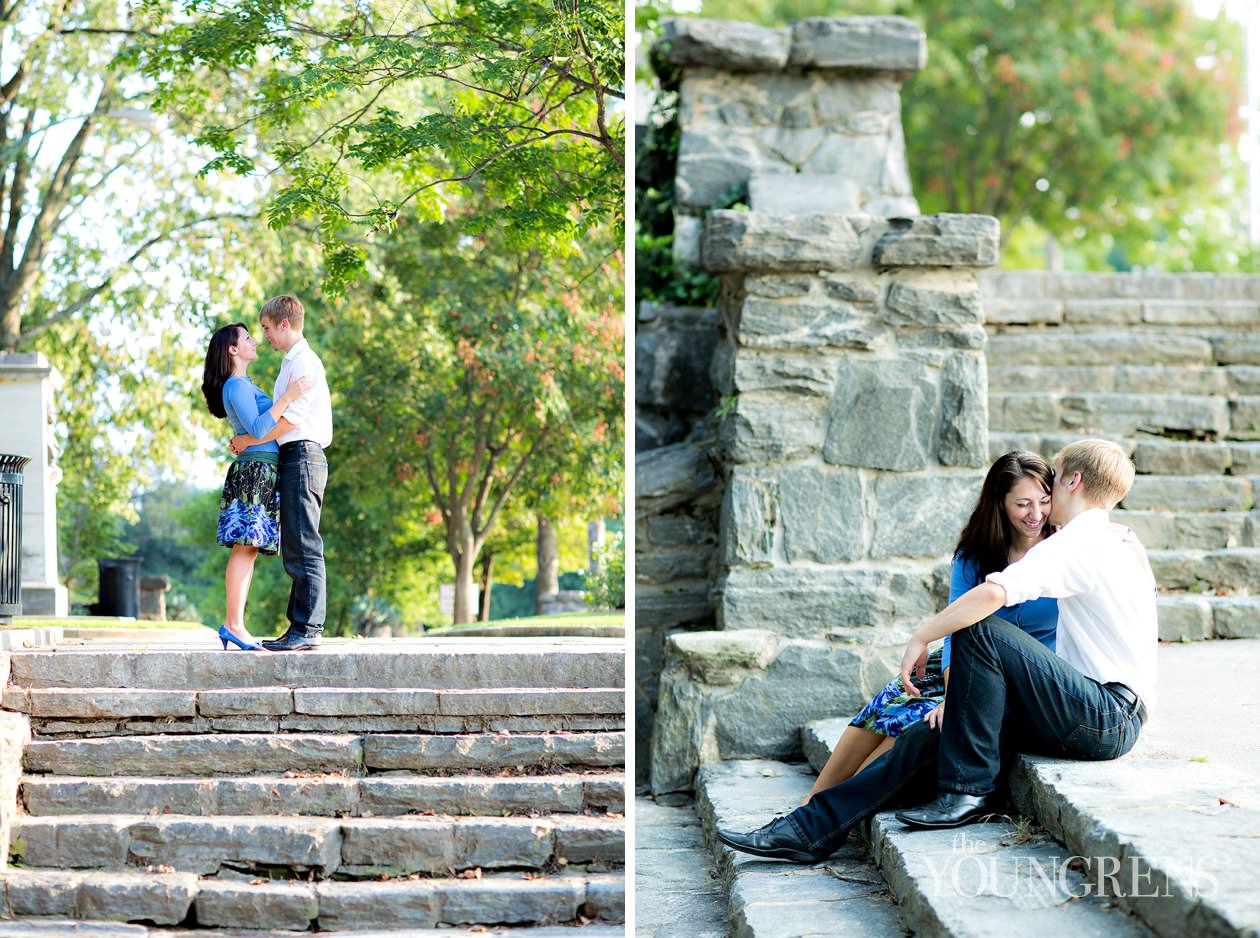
(892, 710)
(249, 510)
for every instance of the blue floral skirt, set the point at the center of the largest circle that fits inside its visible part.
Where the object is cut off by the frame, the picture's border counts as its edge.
(893, 710)
(249, 510)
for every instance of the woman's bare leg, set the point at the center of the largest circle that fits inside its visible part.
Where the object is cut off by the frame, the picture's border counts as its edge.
(886, 743)
(851, 754)
(240, 572)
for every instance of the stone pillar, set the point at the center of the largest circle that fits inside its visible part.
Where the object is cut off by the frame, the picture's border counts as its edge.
(804, 118)
(853, 449)
(28, 385)
(153, 590)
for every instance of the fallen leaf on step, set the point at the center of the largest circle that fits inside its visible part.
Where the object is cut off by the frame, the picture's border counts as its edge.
(474, 873)
(1227, 803)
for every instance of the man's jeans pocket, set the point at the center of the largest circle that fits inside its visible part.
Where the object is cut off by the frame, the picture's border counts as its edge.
(1090, 743)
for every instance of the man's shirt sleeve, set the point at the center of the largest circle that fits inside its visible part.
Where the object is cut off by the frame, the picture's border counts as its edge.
(1058, 567)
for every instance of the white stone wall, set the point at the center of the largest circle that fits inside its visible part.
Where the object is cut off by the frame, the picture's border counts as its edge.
(28, 385)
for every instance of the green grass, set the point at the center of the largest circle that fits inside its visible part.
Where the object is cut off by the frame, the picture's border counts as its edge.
(97, 622)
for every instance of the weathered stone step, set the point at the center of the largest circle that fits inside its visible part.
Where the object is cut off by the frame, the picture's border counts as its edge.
(320, 847)
(1232, 569)
(248, 754)
(397, 663)
(844, 896)
(108, 711)
(1051, 348)
(1124, 414)
(1190, 493)
(677, 894)
(1159, 312)
(1173, 823)
(940, 877)
(327, 796)
(168, 898)
(72, 928)
(1175, 530)
(1193, 617)
(1151, 456)
(1094, 285)
(1126, 379)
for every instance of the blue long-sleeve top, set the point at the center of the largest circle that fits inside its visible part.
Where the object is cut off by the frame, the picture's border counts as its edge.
(247, 409)
(1038, 617)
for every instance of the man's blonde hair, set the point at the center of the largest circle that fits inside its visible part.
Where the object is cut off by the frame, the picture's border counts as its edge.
(1106, 471)
(279, 308)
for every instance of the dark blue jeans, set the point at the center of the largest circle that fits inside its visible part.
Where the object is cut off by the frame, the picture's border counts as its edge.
(303, 475)
(1008, 694)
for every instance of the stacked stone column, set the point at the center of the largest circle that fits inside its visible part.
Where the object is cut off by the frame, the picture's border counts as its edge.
(851, 373)
(854, 442)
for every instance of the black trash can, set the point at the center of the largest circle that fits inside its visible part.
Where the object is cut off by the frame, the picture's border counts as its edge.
(11, 468)
(120, 586)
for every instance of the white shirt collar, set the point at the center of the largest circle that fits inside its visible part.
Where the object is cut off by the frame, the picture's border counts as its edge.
(297, 347)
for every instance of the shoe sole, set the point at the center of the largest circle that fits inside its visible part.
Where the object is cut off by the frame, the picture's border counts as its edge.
(779, 855)
(929, 826)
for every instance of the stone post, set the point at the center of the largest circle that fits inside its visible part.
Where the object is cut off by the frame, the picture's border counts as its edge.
(28, 385)
(853, 449)
(153, 590)
(804, 118)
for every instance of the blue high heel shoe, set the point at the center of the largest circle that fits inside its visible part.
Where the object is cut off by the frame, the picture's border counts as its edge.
(226, 635)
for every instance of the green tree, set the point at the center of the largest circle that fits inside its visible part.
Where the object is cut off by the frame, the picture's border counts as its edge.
(367, 111)
(95, 199)
(1116, 123)
(485, 381)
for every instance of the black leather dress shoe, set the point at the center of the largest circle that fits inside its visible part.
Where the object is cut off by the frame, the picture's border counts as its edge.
(292, 641)
(778, 839)
(950, 809)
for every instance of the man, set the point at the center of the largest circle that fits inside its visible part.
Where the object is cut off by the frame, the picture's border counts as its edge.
(1007, 691)
(303, 433)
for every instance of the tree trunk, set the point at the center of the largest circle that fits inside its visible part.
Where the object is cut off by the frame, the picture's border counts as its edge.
(595, 533)
(487, 583)
(465, 588)
(547, 582)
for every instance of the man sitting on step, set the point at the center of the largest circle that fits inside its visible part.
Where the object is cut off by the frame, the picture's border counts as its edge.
(1008, 693)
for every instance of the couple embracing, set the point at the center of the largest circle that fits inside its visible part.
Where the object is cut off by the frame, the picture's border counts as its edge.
(1053, 633)
(274, 491)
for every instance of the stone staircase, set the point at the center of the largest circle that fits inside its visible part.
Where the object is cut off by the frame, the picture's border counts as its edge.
(1169, 367)
(1157, 843)
(369, 785)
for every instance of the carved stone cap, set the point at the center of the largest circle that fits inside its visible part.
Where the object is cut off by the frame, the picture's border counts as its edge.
(28, 366)
(857, 43)
(755, 241)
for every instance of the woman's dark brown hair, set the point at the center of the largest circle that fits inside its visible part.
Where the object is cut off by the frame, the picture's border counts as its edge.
(986, 539)
(219, 366)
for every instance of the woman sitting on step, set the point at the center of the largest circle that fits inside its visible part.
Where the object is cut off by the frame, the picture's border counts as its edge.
(1010, 517)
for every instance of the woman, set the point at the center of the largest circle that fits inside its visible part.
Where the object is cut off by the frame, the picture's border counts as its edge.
(249, 509)
(1010, 517)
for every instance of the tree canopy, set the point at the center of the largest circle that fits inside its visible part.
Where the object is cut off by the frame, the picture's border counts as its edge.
(361, 112)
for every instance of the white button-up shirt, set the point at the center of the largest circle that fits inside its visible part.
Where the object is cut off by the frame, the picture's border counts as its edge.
(1108, 628)
(312, 412)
